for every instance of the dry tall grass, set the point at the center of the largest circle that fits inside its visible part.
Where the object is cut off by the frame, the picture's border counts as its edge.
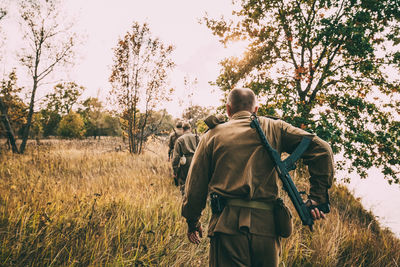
(80, 203)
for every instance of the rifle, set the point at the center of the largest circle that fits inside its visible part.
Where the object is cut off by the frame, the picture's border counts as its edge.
(197, 137)
(169, 149)
(283, 168)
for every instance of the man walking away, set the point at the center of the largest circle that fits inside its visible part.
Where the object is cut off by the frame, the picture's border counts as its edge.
(184, 148)
(232, 163)
(173, 137)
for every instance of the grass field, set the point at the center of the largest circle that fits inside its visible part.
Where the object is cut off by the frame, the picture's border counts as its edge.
(81, 203)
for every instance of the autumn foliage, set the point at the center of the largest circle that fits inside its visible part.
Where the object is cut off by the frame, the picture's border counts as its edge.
(330, 67)
(139, 78)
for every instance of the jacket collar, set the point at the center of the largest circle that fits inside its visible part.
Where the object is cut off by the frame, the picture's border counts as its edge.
(241, 115)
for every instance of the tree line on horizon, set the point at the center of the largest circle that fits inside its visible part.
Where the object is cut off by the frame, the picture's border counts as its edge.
(63, 114)
(57, 115)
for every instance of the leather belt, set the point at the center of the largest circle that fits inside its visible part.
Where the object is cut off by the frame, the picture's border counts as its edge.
(237, 202)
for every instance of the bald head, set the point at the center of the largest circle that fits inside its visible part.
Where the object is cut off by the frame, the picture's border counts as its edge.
(241, 99)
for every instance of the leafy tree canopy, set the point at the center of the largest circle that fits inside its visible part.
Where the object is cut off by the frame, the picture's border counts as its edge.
(327, 66)
(57, 104)
(98, 122)
(195, 113)
(15, 108)
(63, 97)
(50, 121)
(71, 126)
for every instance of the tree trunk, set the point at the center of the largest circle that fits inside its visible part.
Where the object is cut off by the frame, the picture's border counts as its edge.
(142, 132)
(7, 126)
(134, 128)
(130, 139)
(25, 133)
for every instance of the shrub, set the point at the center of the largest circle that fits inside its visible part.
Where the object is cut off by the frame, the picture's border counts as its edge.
(71, 126)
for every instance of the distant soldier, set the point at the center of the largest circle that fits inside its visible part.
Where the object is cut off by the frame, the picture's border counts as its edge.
(232, 164)
(184, 149)
(173, 137)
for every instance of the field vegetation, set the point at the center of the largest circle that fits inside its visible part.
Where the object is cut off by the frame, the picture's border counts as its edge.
(87, 203)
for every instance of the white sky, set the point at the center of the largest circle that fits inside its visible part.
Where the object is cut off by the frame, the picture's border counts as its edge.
(377, 195)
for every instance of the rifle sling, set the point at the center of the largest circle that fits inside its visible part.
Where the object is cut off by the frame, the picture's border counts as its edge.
(300, 149)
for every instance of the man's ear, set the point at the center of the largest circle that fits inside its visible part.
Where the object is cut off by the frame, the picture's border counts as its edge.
(255, 109)
(228, 110)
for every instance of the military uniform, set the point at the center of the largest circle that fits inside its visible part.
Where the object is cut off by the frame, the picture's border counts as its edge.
(171, 141)
(232, 162)
(185, 146)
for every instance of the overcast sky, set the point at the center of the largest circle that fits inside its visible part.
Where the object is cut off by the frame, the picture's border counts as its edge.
(101, 22)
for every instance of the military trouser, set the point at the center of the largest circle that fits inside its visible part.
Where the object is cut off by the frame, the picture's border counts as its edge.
(183, 172)
(244, 250)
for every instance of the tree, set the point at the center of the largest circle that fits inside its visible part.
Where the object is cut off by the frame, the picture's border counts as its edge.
(201, 127)
(192, 113)
(58, 103)
(92, 116)
(37, 126)
(3, 106)
(159, 123)
(64, 97)
(50, 45)
(12, 109)
(49, 120)
(195, 113)
(323, 65)
(3, 13)
(190, 86)
(71, 126)
(98, 122)
(112, 126)
(139, 79)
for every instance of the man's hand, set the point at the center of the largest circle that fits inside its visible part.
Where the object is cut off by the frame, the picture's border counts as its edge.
(194, 236)
(315, 212)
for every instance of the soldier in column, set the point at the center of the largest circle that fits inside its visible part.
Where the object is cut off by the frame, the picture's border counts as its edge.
(184, 149)
(232, 163)
(177, 132)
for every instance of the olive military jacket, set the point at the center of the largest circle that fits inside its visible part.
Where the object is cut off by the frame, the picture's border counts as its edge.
(171, 141)
(184, 145)
(231, 161)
